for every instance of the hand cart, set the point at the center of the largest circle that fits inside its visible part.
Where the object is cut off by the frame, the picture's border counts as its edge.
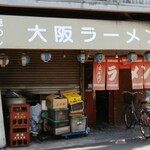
(71, 134)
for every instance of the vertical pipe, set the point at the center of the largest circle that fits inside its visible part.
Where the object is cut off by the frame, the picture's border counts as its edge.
(2, 128)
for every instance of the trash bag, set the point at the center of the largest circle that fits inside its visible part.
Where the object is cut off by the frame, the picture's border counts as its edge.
(35, 112)
(35, 118)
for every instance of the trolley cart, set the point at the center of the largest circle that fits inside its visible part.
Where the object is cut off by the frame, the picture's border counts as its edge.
(71, 134)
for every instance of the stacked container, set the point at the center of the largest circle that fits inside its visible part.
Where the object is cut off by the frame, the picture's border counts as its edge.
(76, 107)
(19, 118)
(58, 115)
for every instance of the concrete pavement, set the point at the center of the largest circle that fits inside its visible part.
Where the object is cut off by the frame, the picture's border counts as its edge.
(97, 135)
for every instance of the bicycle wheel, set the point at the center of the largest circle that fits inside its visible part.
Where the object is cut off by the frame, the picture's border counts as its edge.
(128, 116)
(145, 124)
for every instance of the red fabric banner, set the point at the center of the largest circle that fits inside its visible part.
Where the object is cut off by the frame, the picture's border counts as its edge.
(137, 74)
(112, 74)
(146, 76)
(99, 75)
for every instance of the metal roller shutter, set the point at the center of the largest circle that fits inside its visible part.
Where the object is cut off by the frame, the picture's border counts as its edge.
(38, 76)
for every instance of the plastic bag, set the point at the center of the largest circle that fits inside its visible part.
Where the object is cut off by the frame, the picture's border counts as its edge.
(35, 112)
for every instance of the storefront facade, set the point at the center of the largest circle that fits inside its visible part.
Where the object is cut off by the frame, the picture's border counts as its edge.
(65, 38)
(59, 36)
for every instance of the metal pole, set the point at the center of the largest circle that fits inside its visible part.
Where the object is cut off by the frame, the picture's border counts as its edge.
(2, 128)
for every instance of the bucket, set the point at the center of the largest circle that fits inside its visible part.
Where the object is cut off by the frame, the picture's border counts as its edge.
(21, 100)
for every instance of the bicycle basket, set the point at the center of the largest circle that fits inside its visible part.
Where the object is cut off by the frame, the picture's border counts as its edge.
(127, 97)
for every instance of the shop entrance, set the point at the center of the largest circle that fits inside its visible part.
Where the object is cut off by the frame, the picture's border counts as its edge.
(98, 105)
(102, 107)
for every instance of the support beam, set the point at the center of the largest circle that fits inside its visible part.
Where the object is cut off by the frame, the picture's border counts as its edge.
(2, 128)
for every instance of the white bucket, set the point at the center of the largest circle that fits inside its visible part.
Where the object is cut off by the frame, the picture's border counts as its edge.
(15, 101)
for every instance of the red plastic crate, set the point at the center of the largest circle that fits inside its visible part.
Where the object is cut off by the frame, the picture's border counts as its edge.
(19, 114)
(19, 137)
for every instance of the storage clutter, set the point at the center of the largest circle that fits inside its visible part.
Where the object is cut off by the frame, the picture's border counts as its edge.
(58, 115)
(65, 113)
(54, 114)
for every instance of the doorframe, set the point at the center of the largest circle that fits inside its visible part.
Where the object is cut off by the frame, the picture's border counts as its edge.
(111, 107)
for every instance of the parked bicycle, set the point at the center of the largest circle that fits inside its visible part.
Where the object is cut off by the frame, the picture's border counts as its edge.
(145, 119)
(133, 116)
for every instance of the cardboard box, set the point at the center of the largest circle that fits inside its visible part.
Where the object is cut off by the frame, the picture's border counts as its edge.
(74, 115)
(55, 101)
(69, 90)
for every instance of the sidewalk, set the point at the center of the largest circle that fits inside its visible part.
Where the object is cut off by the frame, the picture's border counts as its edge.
(97, 135)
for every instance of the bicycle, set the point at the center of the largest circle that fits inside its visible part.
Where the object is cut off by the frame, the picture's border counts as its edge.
(145, 119)
(130, 113)
(141, 117)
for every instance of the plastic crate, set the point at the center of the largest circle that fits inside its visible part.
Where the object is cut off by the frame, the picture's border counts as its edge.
(76, 107)
(19, 137)
(58, 131)
(57, 124)
(58, 114)
(72, 97)
(78, 124)
(19, 114)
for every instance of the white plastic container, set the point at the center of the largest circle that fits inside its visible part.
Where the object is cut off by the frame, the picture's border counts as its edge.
(78, 124)
(43, 103)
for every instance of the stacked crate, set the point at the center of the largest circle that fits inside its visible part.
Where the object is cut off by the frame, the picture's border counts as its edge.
(19, 118)
(76, 107)
(58, 115)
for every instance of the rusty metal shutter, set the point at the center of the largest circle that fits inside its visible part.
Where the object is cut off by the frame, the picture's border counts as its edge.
(38, 76)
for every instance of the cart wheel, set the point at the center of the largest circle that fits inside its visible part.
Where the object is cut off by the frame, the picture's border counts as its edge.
(66, 137)
(86, 133)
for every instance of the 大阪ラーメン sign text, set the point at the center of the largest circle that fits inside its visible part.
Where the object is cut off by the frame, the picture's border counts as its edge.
(58, 33)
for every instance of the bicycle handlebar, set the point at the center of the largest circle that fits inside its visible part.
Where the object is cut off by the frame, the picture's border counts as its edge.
(133, 93)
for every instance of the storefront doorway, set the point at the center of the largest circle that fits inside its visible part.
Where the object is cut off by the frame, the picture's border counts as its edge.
(102, 107)
(98, 101)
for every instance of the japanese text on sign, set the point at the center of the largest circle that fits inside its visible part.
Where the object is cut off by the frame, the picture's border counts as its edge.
(58, 33)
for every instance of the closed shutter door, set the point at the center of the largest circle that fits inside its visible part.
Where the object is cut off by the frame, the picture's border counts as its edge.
(38, 76)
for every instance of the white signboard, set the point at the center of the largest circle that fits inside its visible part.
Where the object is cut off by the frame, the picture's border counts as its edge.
(21, 32)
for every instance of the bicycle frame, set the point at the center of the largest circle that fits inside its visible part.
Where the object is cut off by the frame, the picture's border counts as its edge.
(145, 123)
(134, 112)
(130, 113)
(144, 114)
